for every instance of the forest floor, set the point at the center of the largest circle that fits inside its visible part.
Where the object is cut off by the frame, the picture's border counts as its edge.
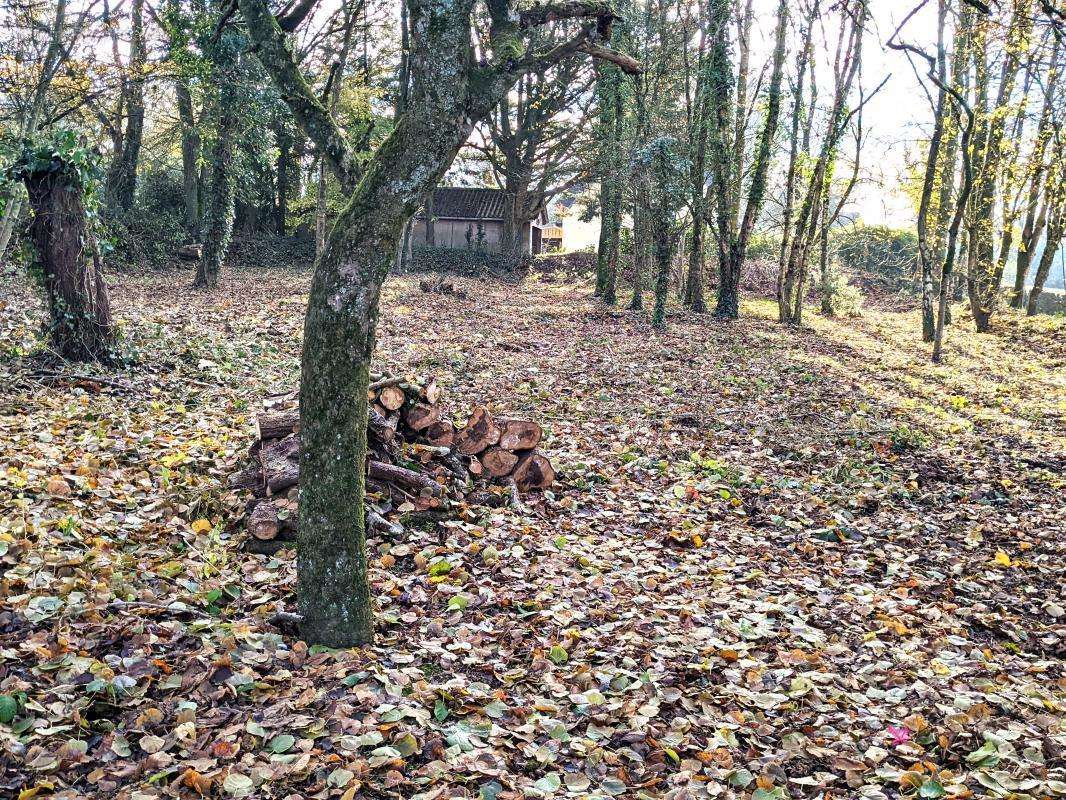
(777, 564)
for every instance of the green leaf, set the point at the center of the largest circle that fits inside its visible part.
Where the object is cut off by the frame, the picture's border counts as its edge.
(987, 755)
(558, 654)
(340, 777)
(281, 743)
(932, 788)
(9, 707)
(740, 778)
(441, 567)
(440, 710)
(238, 785)
(549, 784)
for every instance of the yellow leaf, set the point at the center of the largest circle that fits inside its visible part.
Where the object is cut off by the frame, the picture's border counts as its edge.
(201, 526)
(1003, 559)
(43, 786)
(697, 540)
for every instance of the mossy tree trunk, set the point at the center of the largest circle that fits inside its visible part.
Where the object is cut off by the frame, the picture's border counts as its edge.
(735, 228)
(80, 328)
(219, 209)
(613, 92)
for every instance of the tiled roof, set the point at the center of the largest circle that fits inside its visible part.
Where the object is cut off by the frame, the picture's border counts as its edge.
(486, 204)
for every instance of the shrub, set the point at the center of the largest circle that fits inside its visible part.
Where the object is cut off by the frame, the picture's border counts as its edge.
(155, 227)
(579, 264)
(469, 262)
(839, 297)
(886, 257)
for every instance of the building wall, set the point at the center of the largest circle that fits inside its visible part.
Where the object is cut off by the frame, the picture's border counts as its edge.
(452, 233)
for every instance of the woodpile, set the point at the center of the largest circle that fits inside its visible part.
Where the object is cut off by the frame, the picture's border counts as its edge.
(420, 464)
(438, 284)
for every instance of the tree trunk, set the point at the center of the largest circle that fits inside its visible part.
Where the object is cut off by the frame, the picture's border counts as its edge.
(284, 171)
(734, 236)
(1055, 231)
(926, 238)
(431, 218)
(982, 283)
(1034, 220)
(190, 155)
(218, 216)
(333, 590)
(122, 175)
(802, 60)
(611, 89)
(641, 251)
(694, 277)
(81, 327)
(662, 243)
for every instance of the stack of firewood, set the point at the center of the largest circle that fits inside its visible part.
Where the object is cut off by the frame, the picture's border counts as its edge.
(419, 463)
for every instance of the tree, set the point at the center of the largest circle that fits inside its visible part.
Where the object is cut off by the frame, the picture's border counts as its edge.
(450, 91)
(38, 58)
(60, 173)
(733, 230)
(125, 124)
(660, 168)
(613, 93)
(1035, 219)
(217, 225)
(985, 273)
(538, 146)
(1055, 194)
(792, 279)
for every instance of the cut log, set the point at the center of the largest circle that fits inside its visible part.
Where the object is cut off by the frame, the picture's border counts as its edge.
(420, 416)
(278, 424)
(441, 434)
(263, 522)
(480, 432)
(281, 464)
(534, 471)
(250, 478)
(518, 434)
(498, 462)
(392, 398)
(379, 428)
(474, 467)
(404, 478)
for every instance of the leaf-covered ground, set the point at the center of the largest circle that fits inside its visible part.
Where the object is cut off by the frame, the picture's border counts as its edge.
(779, 564)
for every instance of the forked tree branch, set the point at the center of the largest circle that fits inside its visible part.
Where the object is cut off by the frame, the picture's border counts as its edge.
(270, 46)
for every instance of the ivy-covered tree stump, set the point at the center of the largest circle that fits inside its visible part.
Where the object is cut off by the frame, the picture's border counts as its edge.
(60, 175)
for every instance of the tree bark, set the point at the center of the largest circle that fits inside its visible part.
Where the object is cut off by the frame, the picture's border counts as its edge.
(218, 215)
(81, 328)
(190, 155)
